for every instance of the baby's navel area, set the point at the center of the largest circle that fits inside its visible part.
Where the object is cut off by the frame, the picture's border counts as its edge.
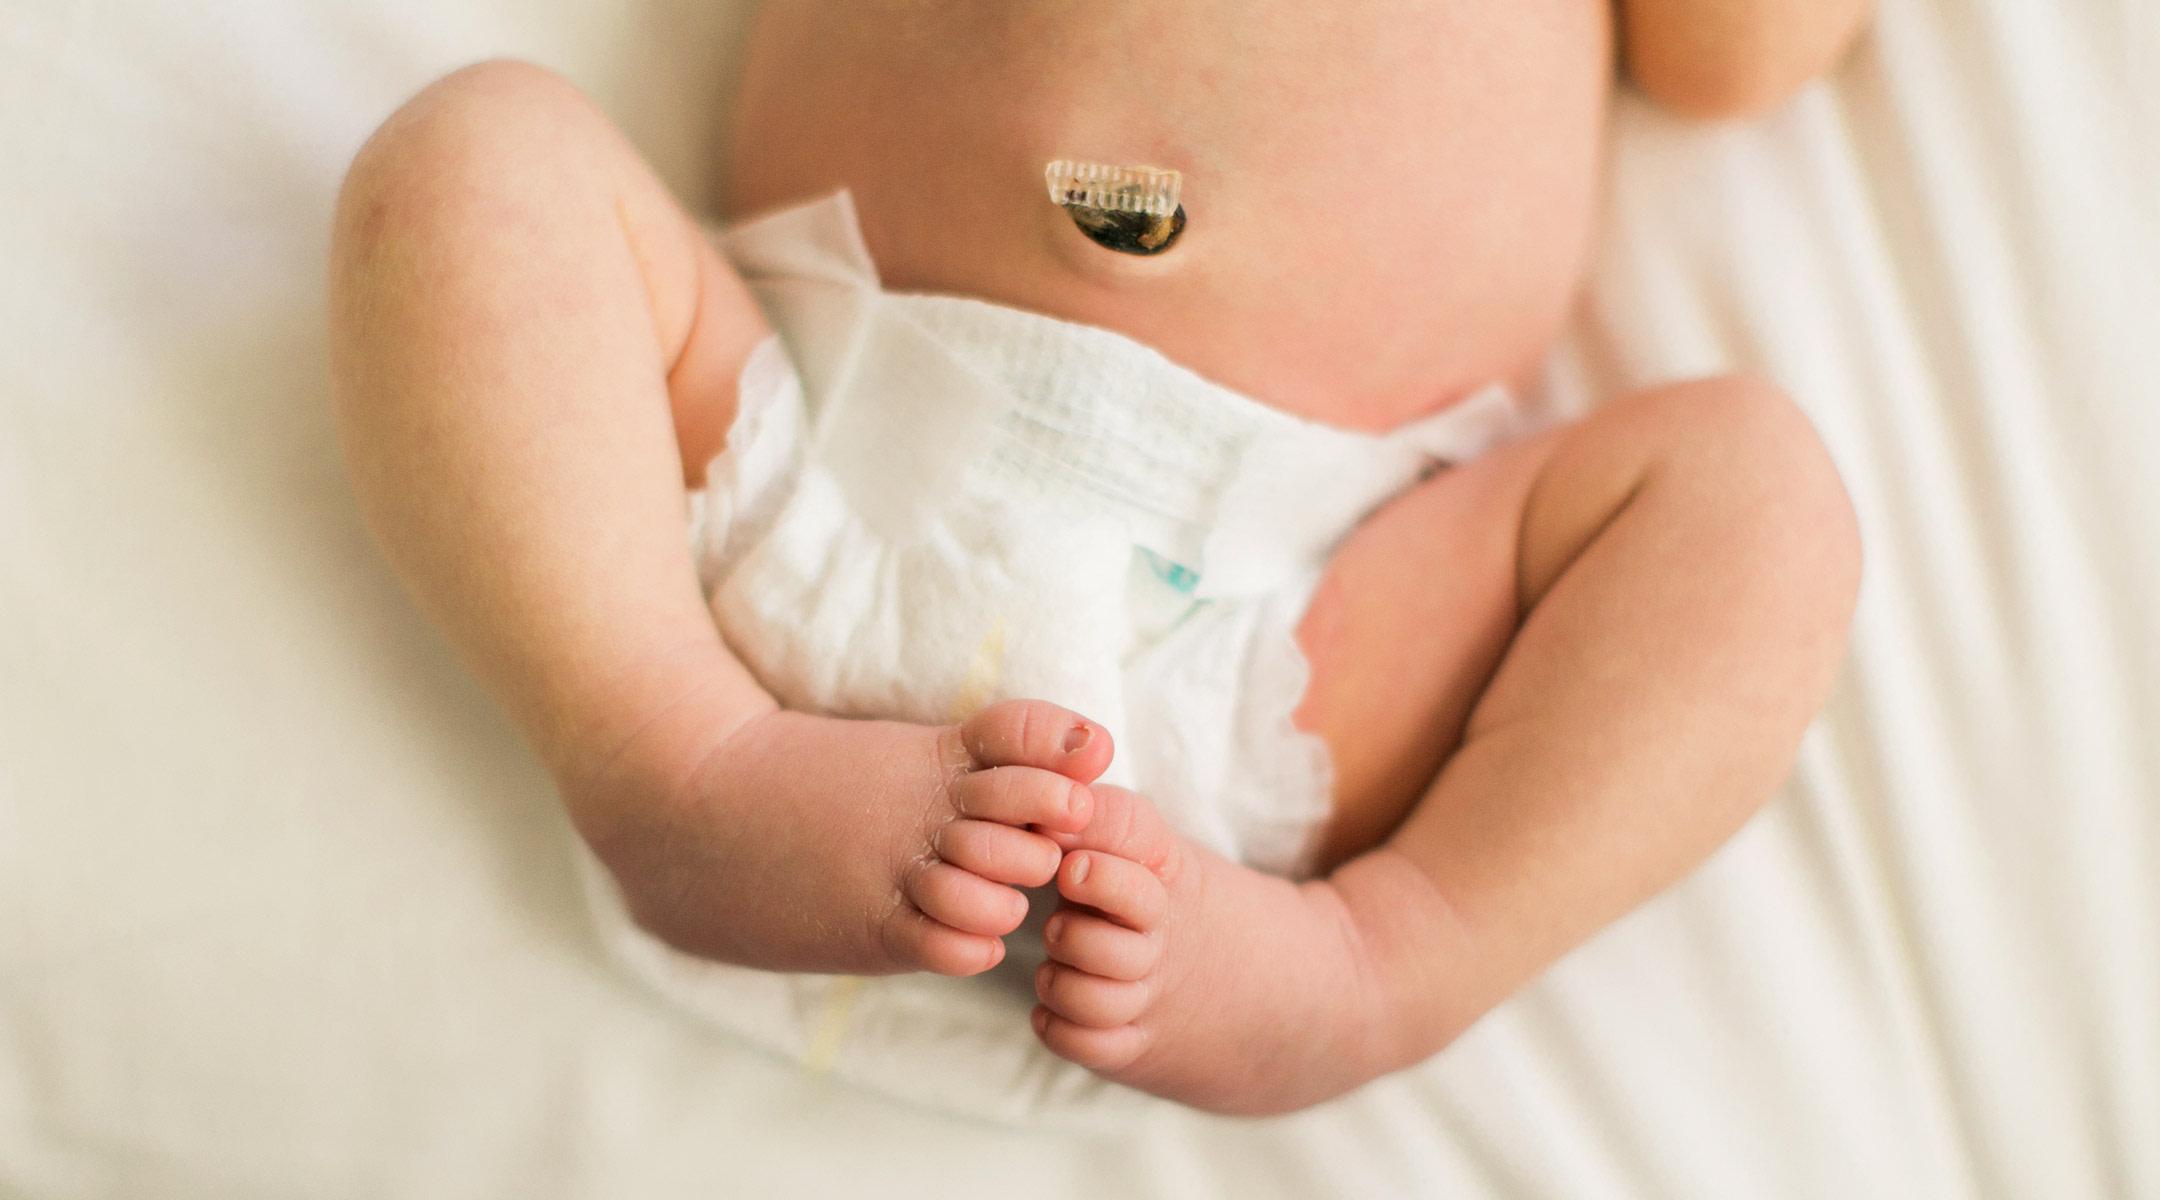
(1388, 203)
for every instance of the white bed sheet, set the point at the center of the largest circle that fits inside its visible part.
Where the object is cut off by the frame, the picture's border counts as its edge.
(285, 909)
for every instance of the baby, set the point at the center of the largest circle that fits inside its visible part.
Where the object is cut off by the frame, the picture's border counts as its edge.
(1537, 686)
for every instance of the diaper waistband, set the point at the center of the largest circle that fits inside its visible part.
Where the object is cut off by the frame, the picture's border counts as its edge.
(911, 397)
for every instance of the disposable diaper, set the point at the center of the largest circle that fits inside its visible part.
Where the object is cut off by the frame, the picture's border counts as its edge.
(928, 504)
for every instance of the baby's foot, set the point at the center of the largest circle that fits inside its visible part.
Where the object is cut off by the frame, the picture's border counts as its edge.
(810, 843)
(1179, 972)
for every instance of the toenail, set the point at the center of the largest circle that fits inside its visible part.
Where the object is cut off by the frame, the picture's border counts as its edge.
(1076, 737)
(1080, 868)
(1076, 799)
(1054, 929)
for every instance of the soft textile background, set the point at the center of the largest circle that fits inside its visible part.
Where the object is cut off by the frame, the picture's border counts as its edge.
(285, 910)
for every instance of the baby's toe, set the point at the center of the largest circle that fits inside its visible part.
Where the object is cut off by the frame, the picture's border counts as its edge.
(1125, 824)
(1119, 888)
(1096, 1049)
(1091, 944)
(966, 901)
(1023, 796)
(999, 853)
(1090, 999)
(915, 941)
(1036, 733)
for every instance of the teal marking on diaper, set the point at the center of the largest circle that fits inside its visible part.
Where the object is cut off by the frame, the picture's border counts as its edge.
(1180, 577)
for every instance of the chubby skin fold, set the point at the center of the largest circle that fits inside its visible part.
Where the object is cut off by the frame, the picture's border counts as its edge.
(1552, 679)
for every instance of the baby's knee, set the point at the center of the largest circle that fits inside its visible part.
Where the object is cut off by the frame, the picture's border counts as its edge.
(1760, 457)
(472, 108)
(479, 130)
(1741, 412)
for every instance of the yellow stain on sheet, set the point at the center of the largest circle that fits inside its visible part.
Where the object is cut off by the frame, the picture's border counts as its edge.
(982, 675)
(832, 1028)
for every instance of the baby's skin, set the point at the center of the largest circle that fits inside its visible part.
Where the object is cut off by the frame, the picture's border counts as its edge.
(1551, 680)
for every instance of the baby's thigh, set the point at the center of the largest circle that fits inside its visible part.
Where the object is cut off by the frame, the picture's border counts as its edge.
(1407, 627)
(1423, 601)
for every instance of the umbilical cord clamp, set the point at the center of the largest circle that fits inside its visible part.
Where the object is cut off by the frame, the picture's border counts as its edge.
(1132, 210)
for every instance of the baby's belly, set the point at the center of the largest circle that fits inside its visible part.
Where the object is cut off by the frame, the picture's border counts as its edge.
(1389, 203)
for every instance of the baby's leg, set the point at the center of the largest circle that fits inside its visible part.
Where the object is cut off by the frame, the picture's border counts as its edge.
(1623, 629)
(533, 350)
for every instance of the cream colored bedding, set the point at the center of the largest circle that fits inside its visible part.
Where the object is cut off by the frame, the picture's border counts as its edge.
(285, 910)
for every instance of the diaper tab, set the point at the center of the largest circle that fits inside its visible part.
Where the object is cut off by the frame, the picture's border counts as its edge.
(893, 415)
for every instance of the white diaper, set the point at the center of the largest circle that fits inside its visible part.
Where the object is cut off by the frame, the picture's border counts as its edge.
(930, 504)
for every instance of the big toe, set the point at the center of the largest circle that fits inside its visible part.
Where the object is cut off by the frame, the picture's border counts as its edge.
(1124, 824)
(1037, 733)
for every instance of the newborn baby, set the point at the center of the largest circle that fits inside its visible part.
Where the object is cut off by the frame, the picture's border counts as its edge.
(1115, 458)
